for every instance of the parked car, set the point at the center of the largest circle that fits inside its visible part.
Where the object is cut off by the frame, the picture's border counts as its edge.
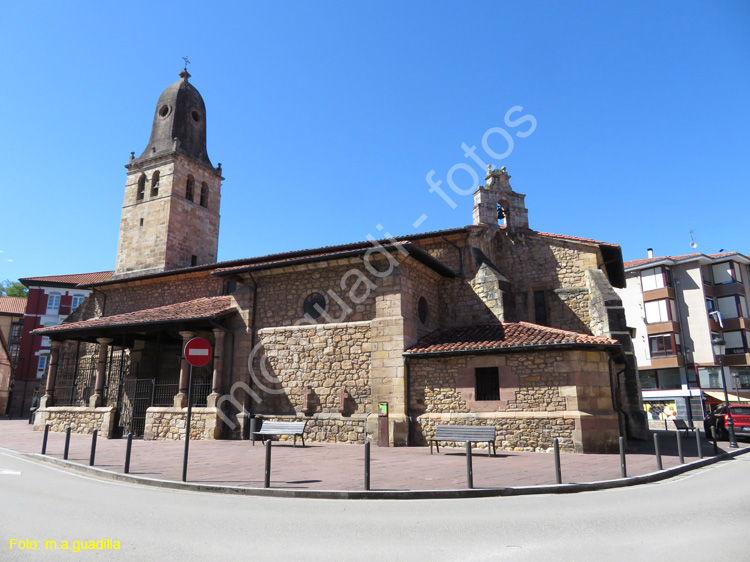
(718, 418)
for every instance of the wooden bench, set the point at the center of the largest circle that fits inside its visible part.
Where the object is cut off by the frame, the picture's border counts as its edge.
(270, 428)
(465, 433)
(682, 425)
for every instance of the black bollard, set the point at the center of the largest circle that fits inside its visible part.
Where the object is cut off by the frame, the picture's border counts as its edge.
(128, 448)
(367, 465)
(44, 441)
(698, 443)
(623, 465)
(558, 470)
(713, 435)
(469, 469)
(658, 454)
(679, 447)
(67, 443)
(267, 482)
(93, 447)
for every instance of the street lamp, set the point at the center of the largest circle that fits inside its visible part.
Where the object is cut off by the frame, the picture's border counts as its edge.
(719, 348)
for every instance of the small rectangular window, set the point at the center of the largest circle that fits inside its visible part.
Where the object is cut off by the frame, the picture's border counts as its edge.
(193, 260)
(656, 278)
(53, 303)
(487, 383)
(664, 345)
(735, 342)
(77, 300)
(727, 272)
(734, 306)
(660, 311)
(540, 308)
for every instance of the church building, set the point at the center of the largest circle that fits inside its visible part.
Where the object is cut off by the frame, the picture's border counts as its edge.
(490, 323)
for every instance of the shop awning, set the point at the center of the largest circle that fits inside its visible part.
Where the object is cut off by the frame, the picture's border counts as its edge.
(732, 397)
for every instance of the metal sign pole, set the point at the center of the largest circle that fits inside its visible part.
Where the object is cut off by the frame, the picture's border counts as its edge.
(187, 425)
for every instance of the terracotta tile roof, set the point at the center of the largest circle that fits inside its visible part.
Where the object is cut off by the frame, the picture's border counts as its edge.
(506, 335)
(12, 305)
(199, 309)
(578, 239)
(75, 279)
(684, 257)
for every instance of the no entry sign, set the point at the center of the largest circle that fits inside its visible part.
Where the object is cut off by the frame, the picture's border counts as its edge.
(198, 352)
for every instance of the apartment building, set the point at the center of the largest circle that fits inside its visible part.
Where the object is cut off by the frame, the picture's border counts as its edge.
(668, 303)
(50, 300)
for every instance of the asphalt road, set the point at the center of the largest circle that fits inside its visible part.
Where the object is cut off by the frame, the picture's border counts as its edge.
(698, 516)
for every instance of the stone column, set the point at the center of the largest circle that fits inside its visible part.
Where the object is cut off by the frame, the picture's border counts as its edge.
(216, 384)
(101, 370)
(54, 357)
(180, 399)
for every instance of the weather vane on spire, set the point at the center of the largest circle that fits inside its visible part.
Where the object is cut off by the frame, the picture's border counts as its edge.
(187, 61)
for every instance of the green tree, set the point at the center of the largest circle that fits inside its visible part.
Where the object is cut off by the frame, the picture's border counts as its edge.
(10, 288)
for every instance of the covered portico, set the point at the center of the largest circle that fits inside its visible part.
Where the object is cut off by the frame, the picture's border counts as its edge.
(125, 373)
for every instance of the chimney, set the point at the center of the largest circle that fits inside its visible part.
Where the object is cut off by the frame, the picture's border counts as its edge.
(650, 252)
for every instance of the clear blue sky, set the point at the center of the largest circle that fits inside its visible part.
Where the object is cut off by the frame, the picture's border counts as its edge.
(327, 117)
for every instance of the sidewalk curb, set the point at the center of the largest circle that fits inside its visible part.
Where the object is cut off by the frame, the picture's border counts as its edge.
(383, 494)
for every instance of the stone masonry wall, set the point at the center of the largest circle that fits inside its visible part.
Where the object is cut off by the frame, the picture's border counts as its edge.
(531, 262)
(325, 358)
(164, 229)
(282, 293)
(169, 423)
(545, 394)
(534, 262)
(151, 293)
(513, 432)
(434, 387)
(80, 419)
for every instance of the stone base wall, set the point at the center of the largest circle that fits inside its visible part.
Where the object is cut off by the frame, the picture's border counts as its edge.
(80, 419)
(329, 428)
(530, 431)
(169, 423)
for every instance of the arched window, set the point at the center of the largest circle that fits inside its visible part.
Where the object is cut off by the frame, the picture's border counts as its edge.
(141, 188)
(502, 212)
(189, 188)
(204, 195)
(155, 184)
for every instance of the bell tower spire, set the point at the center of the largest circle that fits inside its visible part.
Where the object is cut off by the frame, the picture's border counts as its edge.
(170, 216)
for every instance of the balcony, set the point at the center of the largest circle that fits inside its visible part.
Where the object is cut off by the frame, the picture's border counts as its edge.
(658, 294)
(668, 362)
(663, 327)
(728, 289)
(731, 324)
(738, 359)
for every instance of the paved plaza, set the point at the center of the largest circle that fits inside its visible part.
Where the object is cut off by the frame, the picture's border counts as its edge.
(341, 466)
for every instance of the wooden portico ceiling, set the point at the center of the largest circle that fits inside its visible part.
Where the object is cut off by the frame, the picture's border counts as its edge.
(190, 315)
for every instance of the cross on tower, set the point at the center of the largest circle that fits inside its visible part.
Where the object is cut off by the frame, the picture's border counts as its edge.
(187, 62)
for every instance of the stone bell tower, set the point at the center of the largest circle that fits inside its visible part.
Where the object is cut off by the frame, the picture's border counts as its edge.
(498, 198)
(170, 216)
